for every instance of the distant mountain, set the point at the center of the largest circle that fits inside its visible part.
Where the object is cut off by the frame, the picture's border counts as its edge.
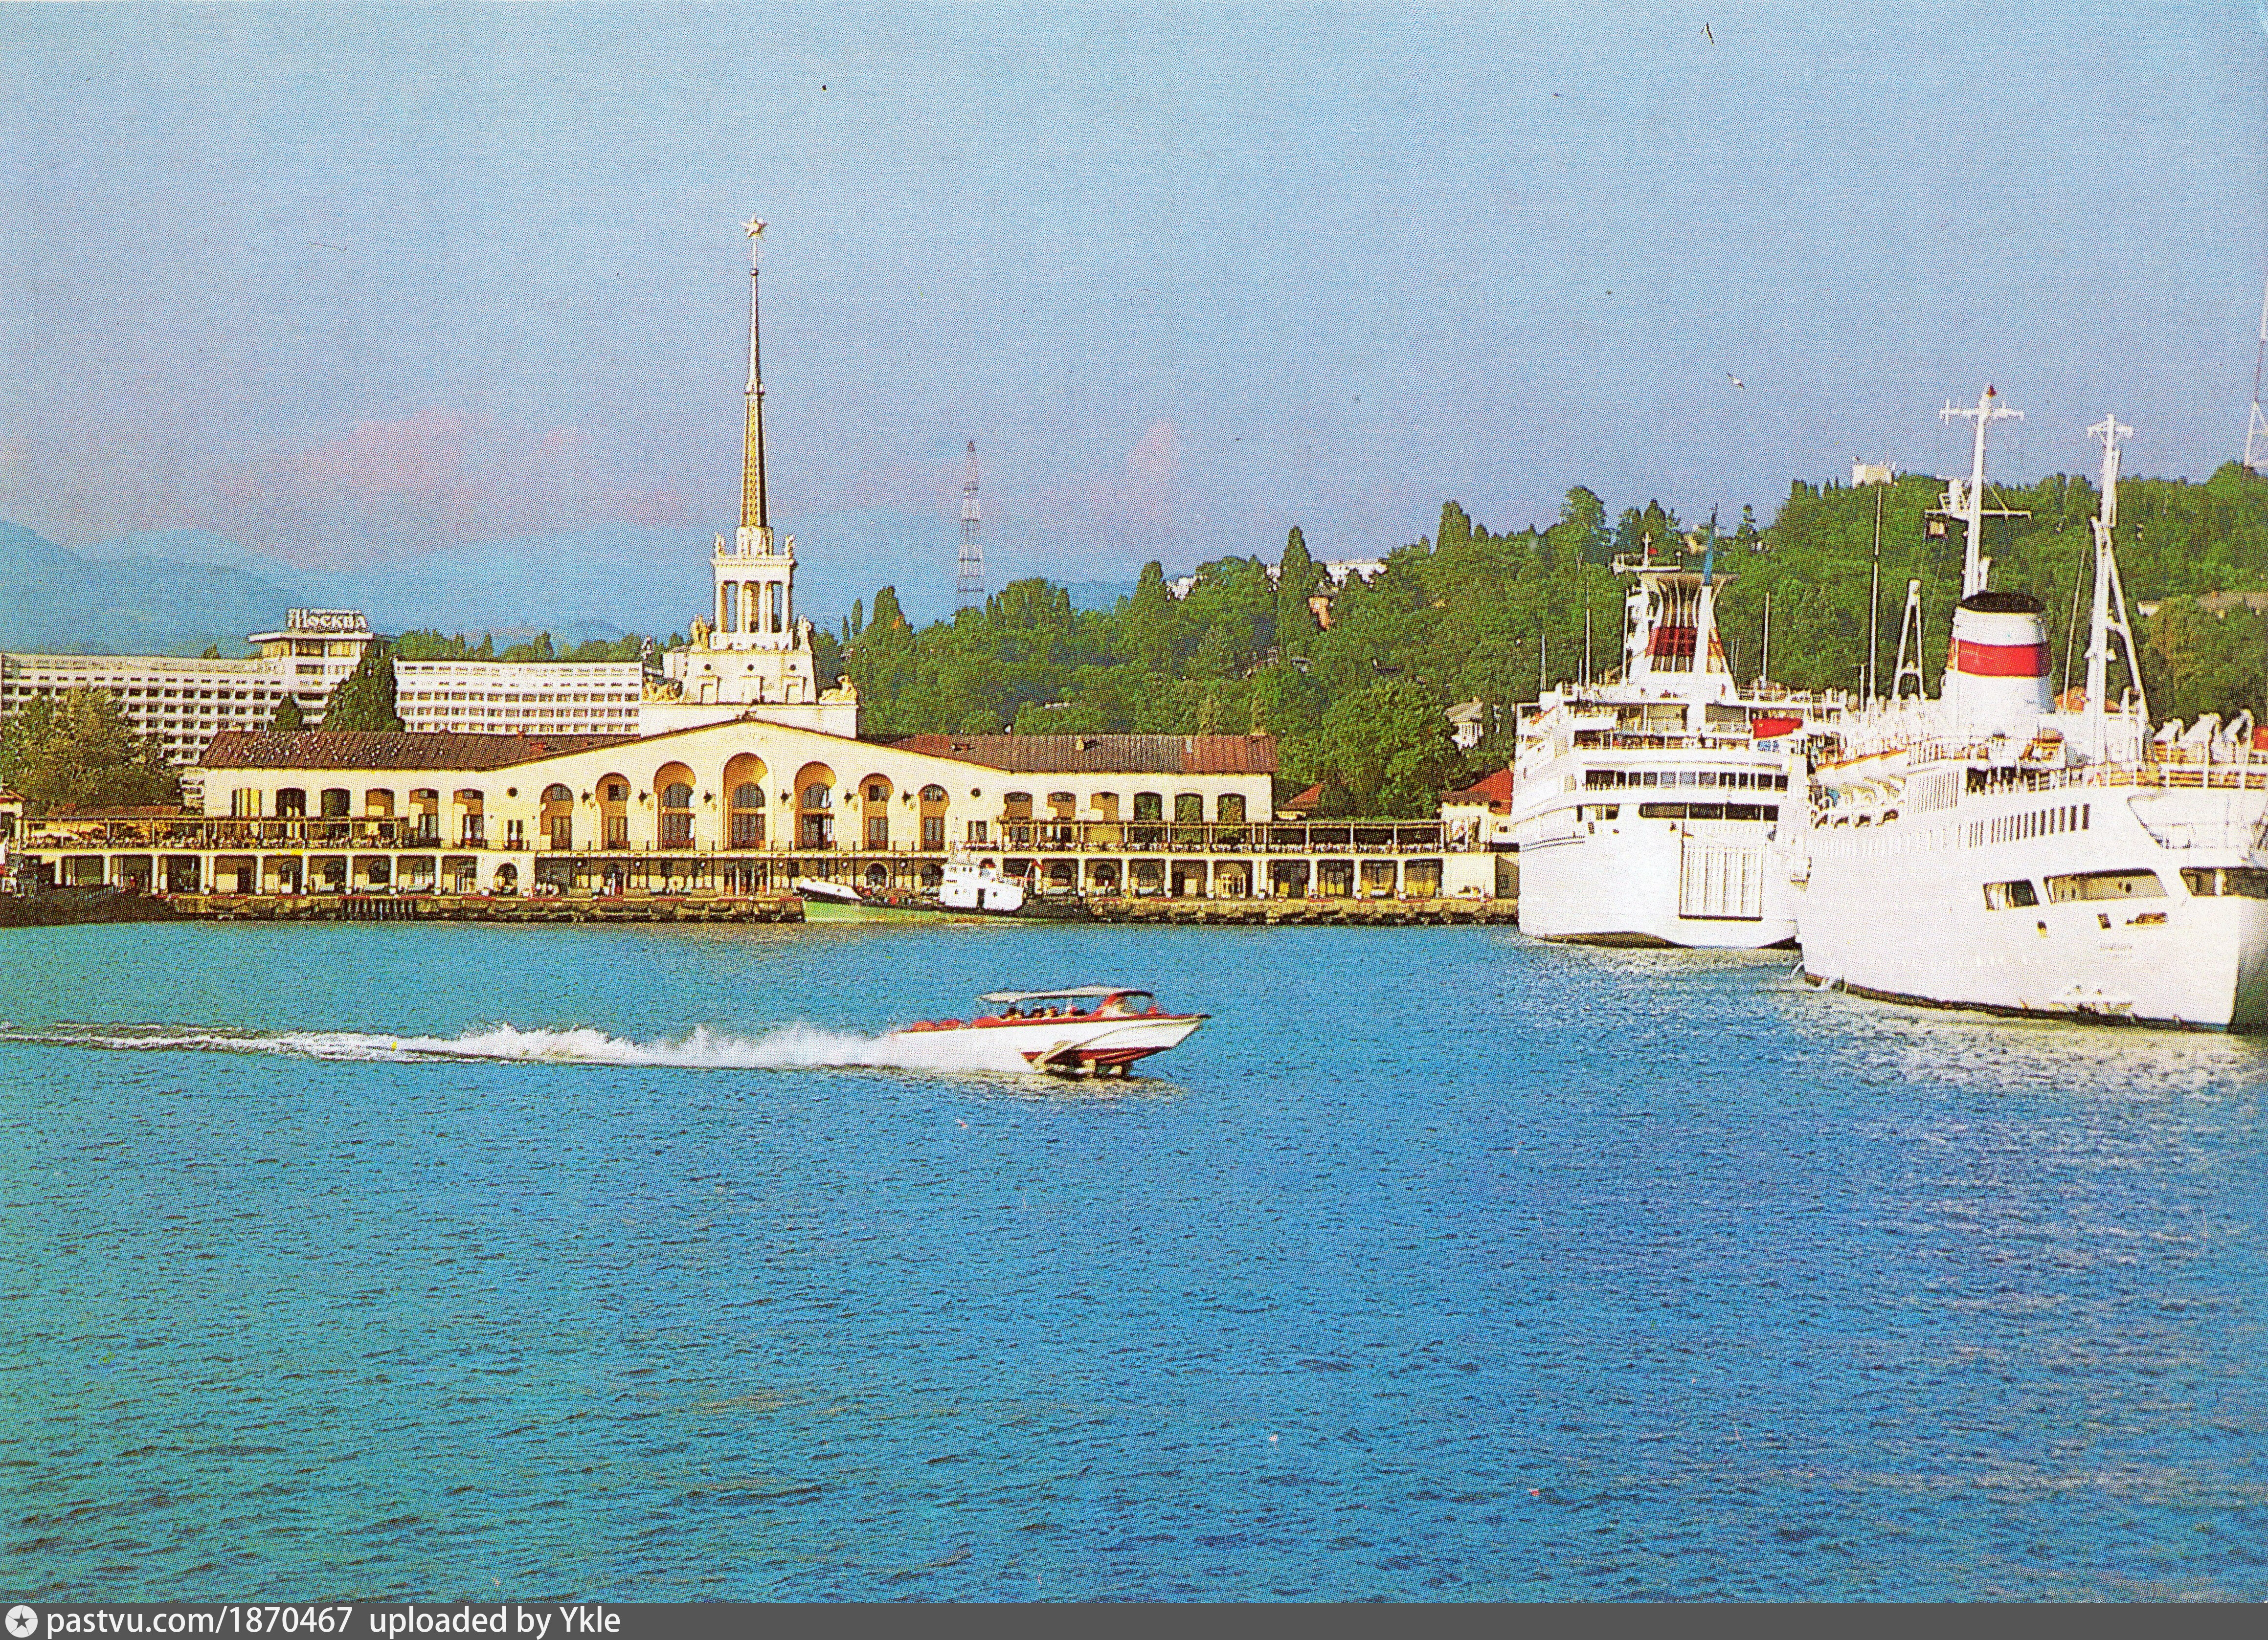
(57, 601)
(174, 591)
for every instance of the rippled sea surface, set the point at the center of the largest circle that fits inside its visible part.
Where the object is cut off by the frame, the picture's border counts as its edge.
(446, 1262)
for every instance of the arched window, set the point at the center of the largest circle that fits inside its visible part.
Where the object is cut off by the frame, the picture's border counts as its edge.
(290, 803)
(744, 801)
(1229, 807)
(673, 791)
(471, 817)
(815, 802)
(932, 817)
(558, 819)
(677, 815)
(875, 791)
(614, 795)
(1149, 805)
(1188, 807)
(335, 802)
(748, 815)
(815, 822)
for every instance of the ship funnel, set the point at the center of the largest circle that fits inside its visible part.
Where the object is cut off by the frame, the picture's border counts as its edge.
(1996, 676)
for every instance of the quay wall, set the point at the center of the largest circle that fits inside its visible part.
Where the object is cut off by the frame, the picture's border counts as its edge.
(716, 908)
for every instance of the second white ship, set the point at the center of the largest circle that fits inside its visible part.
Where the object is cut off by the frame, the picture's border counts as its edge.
(1646, 809)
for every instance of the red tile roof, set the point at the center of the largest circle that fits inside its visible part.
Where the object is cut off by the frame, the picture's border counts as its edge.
(355, 749)
(1496, 790)
(1104, 754)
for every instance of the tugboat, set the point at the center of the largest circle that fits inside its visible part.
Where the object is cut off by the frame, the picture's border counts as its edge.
(971, 886)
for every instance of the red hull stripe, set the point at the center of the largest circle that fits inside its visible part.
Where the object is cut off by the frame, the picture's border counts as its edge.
(2000, 660)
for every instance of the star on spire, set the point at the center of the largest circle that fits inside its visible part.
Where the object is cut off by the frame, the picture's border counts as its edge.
(753, 228)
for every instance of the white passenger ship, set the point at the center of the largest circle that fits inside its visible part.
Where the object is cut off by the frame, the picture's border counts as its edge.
(1645, 809)
(1984, 850)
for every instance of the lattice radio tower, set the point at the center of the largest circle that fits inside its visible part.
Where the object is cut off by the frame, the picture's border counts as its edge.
(968, 590)
(2255, 430)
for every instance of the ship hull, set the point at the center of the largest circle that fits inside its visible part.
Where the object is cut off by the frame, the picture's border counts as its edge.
(1908, 914)
(1631, 882)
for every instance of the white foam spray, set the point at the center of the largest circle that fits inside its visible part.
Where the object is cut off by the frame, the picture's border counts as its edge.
(791, 1046)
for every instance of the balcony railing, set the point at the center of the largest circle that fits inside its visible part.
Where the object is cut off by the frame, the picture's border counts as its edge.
(1022, 838)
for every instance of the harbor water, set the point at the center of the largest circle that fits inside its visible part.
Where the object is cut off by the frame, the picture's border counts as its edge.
(461, 1262)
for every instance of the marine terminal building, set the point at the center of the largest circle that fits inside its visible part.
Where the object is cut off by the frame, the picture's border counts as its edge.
(746, 807)
(740, 808)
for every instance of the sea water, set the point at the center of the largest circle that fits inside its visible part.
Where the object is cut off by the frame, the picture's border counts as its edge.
(466, 1262)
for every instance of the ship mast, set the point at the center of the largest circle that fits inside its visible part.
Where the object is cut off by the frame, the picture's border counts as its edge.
(2110, 612)
(1976, 569)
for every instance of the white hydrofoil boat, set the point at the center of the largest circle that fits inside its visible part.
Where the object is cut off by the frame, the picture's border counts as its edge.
(1083, 1031)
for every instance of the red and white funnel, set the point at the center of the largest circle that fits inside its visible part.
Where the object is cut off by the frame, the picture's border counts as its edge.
(1996, 677)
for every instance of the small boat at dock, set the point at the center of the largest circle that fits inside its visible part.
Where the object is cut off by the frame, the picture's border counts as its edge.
(1081, 1031)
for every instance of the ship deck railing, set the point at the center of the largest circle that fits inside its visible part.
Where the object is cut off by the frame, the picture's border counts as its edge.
(2166, 768)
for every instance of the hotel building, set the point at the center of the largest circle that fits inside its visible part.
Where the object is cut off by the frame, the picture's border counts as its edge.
(182, 702)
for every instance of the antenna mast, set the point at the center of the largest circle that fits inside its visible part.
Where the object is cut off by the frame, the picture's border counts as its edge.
(968, 589)
(2110, 615)
(1875, 603)
(1976, 569)
(1908, 622)
(2257, 427)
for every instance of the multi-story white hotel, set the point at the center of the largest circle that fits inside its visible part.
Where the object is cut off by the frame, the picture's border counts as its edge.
(181, 701)
(519, 697)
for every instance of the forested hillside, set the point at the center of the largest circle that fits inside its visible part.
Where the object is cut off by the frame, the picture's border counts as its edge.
(1469, 614)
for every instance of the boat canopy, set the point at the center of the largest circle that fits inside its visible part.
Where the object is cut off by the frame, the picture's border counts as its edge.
(1009, 999)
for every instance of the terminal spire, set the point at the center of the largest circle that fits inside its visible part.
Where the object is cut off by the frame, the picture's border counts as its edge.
(756, 506)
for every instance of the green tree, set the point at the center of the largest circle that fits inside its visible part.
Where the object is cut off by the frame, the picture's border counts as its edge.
(1388, 747)
(77, 750)
(825, 658)
(366, 699)
(1581, 535)
(289, 719)
(1298, 578)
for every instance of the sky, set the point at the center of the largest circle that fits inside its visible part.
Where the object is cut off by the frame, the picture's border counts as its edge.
(358, 290)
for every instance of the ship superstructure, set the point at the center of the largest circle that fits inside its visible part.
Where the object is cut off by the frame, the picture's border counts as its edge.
(1646, 808)
(1987, 850)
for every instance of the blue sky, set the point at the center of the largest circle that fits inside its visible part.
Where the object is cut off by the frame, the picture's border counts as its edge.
(352, 286)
